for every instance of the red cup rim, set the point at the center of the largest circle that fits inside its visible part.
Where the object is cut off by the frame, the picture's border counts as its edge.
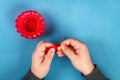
(30, 24)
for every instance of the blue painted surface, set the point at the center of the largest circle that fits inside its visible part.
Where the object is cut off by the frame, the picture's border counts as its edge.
(95, 22)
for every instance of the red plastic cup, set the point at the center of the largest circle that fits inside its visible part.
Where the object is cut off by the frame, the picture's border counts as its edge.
(30, 24)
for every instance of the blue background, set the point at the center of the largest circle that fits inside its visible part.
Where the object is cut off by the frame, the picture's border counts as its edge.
(95, 22)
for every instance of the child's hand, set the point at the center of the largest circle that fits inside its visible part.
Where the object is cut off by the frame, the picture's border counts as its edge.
(78, 53)
(40, 60)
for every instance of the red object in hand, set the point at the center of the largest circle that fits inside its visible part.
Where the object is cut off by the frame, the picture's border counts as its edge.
(30, 24)
(55, 47)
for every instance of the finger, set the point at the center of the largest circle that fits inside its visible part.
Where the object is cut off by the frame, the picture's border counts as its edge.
(36, 52)
(69, 52)
(43, 46)
(40, 43)
(41, 58)
(76, 44)
(49, 56)
(40, 50)
(60, 53)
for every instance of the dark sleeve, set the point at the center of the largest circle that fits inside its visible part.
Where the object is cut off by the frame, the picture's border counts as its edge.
(96, 75)
(30, 76)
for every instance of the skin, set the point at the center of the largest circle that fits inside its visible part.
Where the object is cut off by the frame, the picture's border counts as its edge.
(75, 50)
(78, 54)
(40, 60)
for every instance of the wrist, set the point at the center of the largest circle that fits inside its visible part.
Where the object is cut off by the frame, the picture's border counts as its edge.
(36, 74)
(89, 69)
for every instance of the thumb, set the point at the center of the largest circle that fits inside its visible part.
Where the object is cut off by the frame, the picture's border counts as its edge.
(68, 52)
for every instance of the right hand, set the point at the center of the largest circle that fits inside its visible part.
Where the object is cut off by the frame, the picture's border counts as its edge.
(78, 53)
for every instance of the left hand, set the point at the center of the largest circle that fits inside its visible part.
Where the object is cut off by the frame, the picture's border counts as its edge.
(40, 60)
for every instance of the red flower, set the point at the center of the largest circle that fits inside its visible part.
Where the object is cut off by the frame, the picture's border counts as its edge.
(30, 24)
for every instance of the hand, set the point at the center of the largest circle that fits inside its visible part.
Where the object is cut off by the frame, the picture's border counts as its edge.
(40, 60)
(78, 53)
